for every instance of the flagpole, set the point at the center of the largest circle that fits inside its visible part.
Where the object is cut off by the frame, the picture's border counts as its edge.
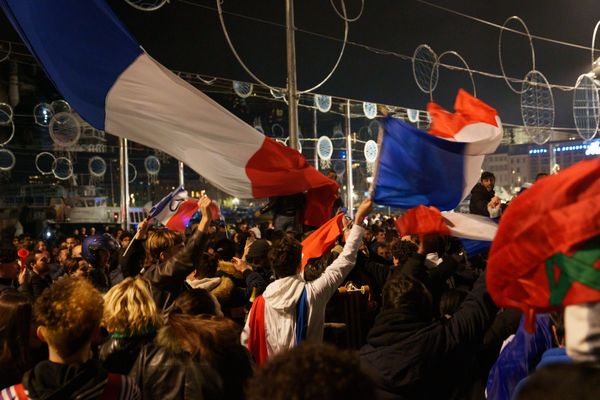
(315, 134)
(291, 74)
(181, 178)
(349, 184)
(124, 178)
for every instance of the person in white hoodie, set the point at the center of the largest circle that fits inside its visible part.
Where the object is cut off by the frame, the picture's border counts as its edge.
(292, 310)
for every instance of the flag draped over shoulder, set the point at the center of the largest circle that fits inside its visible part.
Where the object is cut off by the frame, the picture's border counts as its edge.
(440, 167)
(117, 87)
(322, 240)
(546, 254)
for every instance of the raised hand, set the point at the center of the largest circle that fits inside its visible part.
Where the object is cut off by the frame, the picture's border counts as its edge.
(363, 211)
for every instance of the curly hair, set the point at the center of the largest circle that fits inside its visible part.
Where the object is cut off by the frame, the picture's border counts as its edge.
(130, 309)
(402, 292)
(160, 240)
(311, 371)
(285, 257)
(70, 310)
(402, 249)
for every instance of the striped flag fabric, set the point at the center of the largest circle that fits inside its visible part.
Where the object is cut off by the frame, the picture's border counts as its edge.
(440, 167)
(175, 210)
(102, 71)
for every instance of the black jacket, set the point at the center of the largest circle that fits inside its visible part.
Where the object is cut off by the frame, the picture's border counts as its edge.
(166, 374)
(480, 197)
(119, 354)
(168, 278)
(285, 205)
(414, 359)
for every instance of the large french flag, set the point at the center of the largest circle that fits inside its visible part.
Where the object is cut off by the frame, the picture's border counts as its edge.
(440, 167)
(117, 87)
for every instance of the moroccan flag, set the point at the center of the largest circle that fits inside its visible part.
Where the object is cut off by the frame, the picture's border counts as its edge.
(322, 240)
(546, 254)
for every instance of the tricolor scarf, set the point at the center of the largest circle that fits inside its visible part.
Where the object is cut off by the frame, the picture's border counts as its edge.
(257, 338)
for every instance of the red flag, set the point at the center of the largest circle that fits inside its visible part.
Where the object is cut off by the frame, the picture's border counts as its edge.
(422, 220)
(546, 253)
(322, 240)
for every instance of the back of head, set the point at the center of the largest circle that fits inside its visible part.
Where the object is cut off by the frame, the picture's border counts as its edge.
(130, 309)
(285, 257)
(311, 371)
(563, 381)
(70, 311)
(195, 302)
(160, 240)
(408, 295)
(15, 325)
(402, 250)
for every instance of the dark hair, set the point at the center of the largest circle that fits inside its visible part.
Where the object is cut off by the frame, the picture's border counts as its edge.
(403, 249)
(379, 245)
(402, 292)
(450, 301)
(285, 257)
(194, 302)
(540, 175)
(311, 371)
(562, 381)
(487, 175)
(15, 326)
(71, 265)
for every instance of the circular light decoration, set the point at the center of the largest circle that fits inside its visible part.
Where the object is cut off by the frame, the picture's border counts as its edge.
(62, 168)
(526, 31)
(425, 68)
(146, 5)
(152, 164)
(64, 129)
(370, 110)
(42, 113)
(586, 111)
(44, 162)
(59, 106)
(7, 160)
(287, 140)
(243, 89)
(132, 173)
(323, 102)
(277, 130)
(537, 107)
(371, 151)
(465, 65)
(325, 148)
(413, 115)
(277, 94)
(97, 166)
(6, 114)
(374, 129)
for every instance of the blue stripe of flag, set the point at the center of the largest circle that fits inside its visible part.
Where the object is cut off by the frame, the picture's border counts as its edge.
(418, 168)
(82, 46)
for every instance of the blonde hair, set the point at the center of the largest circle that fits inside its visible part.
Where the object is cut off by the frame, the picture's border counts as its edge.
(130, 309)
(70, 310)
(160, 240)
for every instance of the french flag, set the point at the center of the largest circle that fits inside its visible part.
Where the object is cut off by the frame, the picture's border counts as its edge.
(175, 210)
(117, 87)
(440, 167)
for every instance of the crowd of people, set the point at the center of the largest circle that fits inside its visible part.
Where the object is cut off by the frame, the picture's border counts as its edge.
(227, 312)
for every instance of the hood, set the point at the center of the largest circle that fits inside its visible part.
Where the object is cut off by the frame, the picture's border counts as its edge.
(284, 293)
(204, 283)
(48, 380)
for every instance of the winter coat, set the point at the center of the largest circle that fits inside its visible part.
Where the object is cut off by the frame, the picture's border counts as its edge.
(118, 354)
(281, 298)
(480, 197)
(414, 359)
(49, 380)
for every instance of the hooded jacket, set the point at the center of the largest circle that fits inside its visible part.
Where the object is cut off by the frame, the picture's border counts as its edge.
(281, 298)
(410, 358)
(49, 380)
